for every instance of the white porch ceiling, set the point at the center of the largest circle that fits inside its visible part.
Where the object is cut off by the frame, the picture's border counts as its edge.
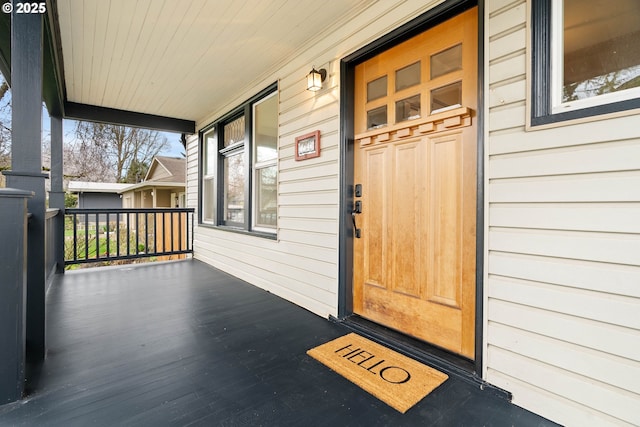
(183, 58)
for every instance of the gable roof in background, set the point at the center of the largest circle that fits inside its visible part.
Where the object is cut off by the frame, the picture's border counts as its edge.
(174, 166)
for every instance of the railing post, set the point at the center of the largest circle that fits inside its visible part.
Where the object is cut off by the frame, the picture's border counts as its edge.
(56, 195)
(52, 237)
(13, 289)
(26, 163)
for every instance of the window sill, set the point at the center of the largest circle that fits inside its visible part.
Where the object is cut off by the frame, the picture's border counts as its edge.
(591, 114)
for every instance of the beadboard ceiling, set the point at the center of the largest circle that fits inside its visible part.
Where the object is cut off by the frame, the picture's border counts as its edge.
(183, 58)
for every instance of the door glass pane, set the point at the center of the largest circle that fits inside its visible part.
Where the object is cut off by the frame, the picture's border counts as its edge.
(377, 88)
(266, 129)
(446, 61)
(408, 109)
(266, 203)
(601, 47)
(408, 76)
(234, 131)
(377, 117)
(234, 187)
(449, 96)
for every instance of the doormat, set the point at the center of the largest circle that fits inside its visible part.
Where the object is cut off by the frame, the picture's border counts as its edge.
(397, 380)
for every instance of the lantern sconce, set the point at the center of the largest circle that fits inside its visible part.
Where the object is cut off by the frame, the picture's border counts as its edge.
(315, 79)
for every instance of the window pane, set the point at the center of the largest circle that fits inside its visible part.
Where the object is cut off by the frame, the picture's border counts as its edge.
(266, 191)
(266, 129)
(601, 47)
(446, 96)
(234, 131)
(408, 109)
(377, 88)
(211, 153)
(408, 76)
(234, 181)
(377, 117)
(208, 198)
(446, 61)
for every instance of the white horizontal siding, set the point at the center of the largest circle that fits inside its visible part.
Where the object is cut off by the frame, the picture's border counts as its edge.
(603, 337)
(503, 45)
(508, 93)
(570, 357)
(610, 217)
(592, 396)
(510, 20)
(506, 70)
(592, 132)
(556, 406)
(616, 310)
(580, 274)
(597, 247)
(192, 172)
(601, 157)
(562, 276)
(586, 187)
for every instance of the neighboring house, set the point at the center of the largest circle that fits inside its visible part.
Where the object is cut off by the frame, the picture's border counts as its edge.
(97, 195)
(163, 186)
(466, 173)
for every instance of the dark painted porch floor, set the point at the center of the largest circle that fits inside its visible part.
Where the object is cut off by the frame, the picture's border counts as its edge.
(184, 344)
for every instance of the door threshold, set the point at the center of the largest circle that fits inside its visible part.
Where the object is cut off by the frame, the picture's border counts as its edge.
(428, 354)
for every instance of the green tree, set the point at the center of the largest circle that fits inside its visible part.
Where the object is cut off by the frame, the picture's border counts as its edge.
(136, 172)
(70, 200)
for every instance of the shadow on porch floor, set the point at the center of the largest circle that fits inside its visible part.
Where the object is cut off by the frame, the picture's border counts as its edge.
(181, 343)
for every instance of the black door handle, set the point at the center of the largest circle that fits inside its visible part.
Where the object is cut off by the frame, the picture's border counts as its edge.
(356, 230)
(357, 209)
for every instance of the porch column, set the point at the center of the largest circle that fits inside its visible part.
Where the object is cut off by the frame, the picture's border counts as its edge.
(56, 195)
(13, 286)
(26, 163)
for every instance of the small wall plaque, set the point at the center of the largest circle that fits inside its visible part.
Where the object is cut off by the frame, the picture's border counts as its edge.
(308, 146)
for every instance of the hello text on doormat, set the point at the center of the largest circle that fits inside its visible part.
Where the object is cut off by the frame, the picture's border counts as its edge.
(397, 380)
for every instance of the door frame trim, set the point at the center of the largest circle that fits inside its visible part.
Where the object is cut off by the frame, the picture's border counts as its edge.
(429, 19)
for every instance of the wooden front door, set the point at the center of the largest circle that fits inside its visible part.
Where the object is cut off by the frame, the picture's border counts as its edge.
(415, 186)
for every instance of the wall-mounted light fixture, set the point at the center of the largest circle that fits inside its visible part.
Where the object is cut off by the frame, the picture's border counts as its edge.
(315, 79)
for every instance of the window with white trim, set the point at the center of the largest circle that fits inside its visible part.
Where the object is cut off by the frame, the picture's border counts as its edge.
(265, 159)
(586, 58)
(240, 192)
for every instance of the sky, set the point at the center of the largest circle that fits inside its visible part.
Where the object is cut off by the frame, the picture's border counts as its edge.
(174, 148)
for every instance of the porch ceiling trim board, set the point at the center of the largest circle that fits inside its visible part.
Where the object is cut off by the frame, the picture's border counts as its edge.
(94, 113)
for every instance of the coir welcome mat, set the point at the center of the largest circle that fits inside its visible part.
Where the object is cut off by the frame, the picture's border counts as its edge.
(395, 379)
